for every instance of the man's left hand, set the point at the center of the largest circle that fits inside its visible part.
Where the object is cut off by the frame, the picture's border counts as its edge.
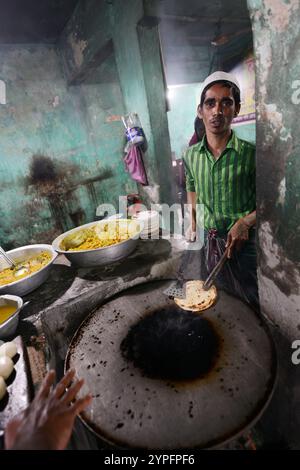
(236, 237)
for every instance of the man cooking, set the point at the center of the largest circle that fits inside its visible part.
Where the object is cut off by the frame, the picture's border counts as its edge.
(220, 175)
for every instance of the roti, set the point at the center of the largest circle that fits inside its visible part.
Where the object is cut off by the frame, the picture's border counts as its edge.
(197, 298)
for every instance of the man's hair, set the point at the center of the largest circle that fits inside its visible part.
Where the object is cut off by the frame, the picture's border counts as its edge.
(199, 128)
(235, 91)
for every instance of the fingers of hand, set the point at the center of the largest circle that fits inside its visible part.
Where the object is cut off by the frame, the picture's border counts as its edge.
(230, 246)
(64, 383)
(190, 236)
(79, 405)
(229, 240)
(71, 393)
(46, 385)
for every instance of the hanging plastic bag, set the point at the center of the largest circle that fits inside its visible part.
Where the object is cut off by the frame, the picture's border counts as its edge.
(136, 143)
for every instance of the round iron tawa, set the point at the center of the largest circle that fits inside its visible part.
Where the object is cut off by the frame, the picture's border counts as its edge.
(135, 411)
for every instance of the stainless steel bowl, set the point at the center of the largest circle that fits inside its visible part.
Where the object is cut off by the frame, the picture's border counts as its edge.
(9, 327)
(98, 256)
(33, 281)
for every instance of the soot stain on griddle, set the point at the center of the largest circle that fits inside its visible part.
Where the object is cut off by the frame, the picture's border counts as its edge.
(172, 344)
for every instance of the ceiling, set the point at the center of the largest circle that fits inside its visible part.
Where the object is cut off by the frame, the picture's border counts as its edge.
(32, 21)
(199, 37)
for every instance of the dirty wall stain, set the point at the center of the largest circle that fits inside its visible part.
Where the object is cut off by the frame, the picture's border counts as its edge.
(57, 182)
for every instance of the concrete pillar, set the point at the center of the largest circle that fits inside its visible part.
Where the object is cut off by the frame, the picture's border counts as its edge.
(137, 52)
(276, 37)
(276, 30)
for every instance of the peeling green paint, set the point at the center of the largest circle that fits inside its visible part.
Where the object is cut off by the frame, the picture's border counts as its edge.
(68, 126)
(140, 71)
(276, 43)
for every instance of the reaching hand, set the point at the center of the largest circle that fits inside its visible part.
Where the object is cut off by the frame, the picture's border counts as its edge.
(190, 234)
(48, 421)
(238, 234)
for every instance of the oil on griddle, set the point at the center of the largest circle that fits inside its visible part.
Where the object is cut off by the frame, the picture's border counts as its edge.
(172, 344)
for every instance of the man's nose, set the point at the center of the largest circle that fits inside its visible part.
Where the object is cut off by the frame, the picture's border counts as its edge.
(218, 109)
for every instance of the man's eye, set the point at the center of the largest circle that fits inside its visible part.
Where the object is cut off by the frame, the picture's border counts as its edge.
(227, 103)
(209, 104)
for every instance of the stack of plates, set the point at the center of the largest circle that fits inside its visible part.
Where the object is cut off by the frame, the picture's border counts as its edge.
(150, 221)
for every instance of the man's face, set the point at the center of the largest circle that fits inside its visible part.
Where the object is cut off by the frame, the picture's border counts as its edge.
(218, 109)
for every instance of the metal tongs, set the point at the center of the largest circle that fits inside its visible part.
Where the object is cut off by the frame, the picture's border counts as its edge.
(209, 281)
(177, 288)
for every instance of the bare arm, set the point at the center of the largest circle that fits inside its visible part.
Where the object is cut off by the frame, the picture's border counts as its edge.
(191, 231)
(239, 233)
(191, 199)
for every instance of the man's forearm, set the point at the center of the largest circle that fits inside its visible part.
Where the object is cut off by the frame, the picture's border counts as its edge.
(250, 219)
(191, 200)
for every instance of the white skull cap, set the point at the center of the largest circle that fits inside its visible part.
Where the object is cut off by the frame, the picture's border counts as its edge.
(219, 76)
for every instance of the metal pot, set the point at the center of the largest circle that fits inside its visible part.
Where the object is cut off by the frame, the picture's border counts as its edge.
(98, 256)
(29, 283)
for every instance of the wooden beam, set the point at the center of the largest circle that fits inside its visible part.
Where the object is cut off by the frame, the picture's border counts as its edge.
(86, 70)
(206, 19)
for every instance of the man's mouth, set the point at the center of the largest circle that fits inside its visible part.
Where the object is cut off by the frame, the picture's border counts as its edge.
(217, 122)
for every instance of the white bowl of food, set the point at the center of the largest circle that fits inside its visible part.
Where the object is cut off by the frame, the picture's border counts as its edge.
(99, 243)
(10, 306)
(38, 260)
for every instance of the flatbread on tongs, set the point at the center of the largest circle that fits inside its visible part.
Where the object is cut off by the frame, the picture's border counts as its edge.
(197, 298)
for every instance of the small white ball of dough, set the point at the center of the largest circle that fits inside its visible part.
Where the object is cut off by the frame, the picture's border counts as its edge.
(2, 388)
(6, 366)
(8, 349)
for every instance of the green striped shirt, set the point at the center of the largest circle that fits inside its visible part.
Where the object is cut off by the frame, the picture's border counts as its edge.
(226, 186)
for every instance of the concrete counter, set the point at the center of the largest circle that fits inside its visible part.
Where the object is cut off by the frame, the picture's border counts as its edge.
(59, 306)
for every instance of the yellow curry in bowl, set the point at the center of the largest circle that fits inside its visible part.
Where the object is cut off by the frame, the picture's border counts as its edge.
(34, 264)
(6, 311)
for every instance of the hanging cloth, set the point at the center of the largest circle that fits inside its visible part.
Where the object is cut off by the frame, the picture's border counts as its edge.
(135, 165)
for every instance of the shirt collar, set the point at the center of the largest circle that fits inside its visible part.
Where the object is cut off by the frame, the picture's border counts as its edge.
(233, 143)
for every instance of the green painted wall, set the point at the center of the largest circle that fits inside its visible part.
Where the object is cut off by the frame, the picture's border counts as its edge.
(137, 50)
(99, 29)
(246, 131)
(183, 110)
(60, 152)
(86, 32)
(276, 40)
(276, 29)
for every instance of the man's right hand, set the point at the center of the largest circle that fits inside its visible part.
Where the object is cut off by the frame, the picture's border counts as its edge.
(190, 234)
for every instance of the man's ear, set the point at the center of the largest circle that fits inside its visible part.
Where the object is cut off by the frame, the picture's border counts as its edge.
(199, 112)
(237, 109)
